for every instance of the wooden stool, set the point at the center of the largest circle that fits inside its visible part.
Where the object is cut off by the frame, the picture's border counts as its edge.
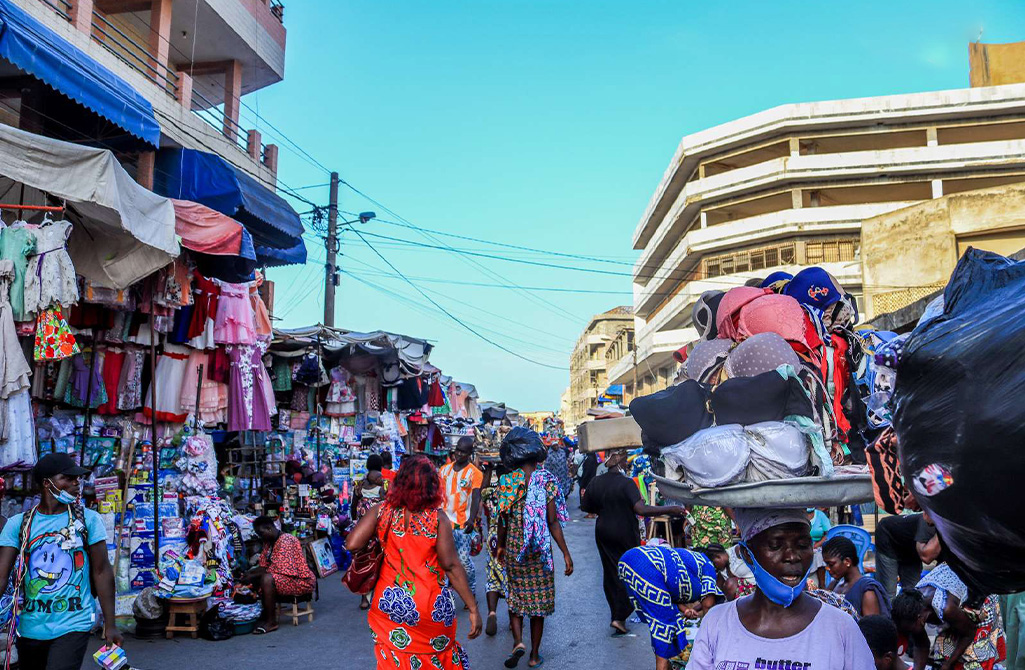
(289, 606)
(192, 609)
(667, 524)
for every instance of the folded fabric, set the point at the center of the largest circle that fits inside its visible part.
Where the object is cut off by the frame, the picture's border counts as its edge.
(764, 397)
(815, 287)
(673, 415)
(758, 354)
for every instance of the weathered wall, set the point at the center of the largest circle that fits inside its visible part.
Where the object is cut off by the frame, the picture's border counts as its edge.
(996, 64)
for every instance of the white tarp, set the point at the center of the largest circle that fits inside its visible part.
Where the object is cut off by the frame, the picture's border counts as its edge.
(123, 231)
(412, 352)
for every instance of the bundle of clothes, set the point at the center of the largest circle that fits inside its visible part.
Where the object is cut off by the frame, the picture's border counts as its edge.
(773, 388)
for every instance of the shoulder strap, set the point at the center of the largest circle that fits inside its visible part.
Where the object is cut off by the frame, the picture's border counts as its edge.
(78, 515)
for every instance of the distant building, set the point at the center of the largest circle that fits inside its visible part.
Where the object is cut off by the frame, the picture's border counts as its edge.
(587, 379)
(790, 187)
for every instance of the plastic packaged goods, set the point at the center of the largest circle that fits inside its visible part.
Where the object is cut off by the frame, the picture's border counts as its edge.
(712, 457)
(520, 446)
(960, 420)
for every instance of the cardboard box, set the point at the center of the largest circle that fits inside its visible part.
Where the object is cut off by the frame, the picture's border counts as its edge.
(605, 434)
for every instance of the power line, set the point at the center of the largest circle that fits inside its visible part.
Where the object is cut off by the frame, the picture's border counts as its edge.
(452, 316)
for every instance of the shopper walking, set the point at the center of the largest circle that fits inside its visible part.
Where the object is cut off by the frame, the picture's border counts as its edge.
(63, 548)
(532, 511)
(413, 615)
(557, 463)
(617, 501)
(495, 588)
(462, 482)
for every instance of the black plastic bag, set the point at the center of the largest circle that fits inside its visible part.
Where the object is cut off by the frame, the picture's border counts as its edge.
(520, 446)
(213, 627)
(960, 419)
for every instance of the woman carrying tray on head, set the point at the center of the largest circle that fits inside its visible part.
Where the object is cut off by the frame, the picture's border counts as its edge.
(778, 622)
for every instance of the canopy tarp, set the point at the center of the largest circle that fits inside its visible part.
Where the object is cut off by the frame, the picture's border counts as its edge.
(210, 232)
(34, 48)
(272, 257)
(412, 352)
(122, 231)
(208, 179)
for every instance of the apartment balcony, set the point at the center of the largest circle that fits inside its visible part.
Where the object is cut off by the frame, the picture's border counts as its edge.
(192, 59)
(596, 365)
(682, 263)
(594, 340)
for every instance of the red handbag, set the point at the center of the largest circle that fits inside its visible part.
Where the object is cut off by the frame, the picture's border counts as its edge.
(366, 564)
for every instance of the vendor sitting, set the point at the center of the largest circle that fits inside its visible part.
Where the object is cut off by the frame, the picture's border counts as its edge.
(778, 623)
(283, 571)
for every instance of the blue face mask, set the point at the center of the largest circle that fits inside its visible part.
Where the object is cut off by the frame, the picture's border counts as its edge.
(61, 495)
(774, 590)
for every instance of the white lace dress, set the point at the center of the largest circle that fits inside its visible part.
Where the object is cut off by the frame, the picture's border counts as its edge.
(50, 278)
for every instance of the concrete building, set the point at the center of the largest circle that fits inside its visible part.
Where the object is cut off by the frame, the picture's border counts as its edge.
(192, 60)
(791, 186)
(587, 378)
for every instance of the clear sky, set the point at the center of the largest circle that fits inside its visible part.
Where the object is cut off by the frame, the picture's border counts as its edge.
(548, 124)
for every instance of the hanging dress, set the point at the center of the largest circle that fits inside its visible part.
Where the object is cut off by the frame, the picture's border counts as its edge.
(113, 363)
(213, 395)
(201, 326)
(17, 441)
(170, 371)
(17, 243)
(249, 406)
(54, 340)
(50, 277)
(234, 321)
(341, 401)
(260, 317)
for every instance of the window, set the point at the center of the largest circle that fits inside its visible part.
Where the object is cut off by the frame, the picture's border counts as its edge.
(830, 251)
(750, 260)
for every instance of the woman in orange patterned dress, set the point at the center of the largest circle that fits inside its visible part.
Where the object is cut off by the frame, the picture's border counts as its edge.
(413, 615)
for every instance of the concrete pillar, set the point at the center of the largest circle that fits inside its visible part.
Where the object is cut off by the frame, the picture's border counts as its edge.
(701, 171)
(81, 14)
(159, 37)
(937, 188)
(253, 144)
(232, 95)
(185, 90)
(145, 169)
(270, 158)
(796, 199)
(930, 137)
(795, 147)
(703, 218)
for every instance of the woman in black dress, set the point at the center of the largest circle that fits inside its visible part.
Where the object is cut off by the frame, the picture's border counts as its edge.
(615, 498)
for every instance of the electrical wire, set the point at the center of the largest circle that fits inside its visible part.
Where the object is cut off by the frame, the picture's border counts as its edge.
(452, 316)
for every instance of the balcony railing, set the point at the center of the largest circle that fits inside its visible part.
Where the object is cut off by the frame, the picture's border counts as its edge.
(133, 54)
(278, 10)
(214, 115)
(61, 7)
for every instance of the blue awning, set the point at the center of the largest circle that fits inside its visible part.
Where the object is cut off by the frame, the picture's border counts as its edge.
(271, 257)
(36, 49)
(208, 179)
(615, 390)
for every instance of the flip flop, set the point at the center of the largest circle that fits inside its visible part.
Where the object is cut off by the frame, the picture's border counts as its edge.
(263, 630)
(492, 626)
(619, 633)
(540, 662)
(514, 658)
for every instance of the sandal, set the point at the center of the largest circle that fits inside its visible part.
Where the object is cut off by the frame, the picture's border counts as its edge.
(515, 656)
(263, 630)
(492, 626)
(364, 604)
(540, 662)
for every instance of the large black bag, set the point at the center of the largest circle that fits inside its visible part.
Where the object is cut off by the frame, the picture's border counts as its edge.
(520, 446)
(960, 419)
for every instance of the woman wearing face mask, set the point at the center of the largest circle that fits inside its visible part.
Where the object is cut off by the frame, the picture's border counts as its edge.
(70, 542)
(778, 623)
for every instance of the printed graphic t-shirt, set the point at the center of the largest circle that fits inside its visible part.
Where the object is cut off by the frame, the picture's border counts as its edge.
(458, 487)
(58, 598)
(832, 641)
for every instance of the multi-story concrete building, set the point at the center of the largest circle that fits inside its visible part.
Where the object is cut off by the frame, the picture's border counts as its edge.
(587, 378)
(790, 186)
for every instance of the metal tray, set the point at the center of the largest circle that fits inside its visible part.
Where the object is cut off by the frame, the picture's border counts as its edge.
(797, 492)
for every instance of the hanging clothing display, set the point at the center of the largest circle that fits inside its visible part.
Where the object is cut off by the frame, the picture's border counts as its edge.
(167, 378)
(261, 319)
(249, 405)
(234, 321)
(54, 339)
(85, 387)
(50, 277)
(17, 243)
(113, 362)
(213, 395)
(14, 369)
(201, 326)
(129, 388)
(341, 401)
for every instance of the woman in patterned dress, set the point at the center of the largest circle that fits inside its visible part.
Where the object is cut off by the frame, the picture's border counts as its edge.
(413, 615)
(496, 571)
(531, 512)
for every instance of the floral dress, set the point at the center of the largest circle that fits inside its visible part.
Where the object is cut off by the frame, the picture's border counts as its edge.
(496, 572)
(413, 614)
(709, 525)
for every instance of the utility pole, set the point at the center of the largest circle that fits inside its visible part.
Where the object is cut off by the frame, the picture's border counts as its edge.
(330, 266)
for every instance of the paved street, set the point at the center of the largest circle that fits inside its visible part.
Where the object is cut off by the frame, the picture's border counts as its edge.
(577, 636)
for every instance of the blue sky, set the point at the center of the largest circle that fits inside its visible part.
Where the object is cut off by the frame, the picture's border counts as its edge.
(548, 125)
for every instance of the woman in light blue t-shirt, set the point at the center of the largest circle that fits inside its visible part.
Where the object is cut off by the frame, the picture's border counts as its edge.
(66, 571)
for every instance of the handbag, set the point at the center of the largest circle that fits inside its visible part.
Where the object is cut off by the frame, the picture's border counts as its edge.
(476, 539)
(362, 574)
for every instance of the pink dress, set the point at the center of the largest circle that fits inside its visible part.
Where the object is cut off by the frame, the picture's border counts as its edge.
(213, 395)
(234, 322)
